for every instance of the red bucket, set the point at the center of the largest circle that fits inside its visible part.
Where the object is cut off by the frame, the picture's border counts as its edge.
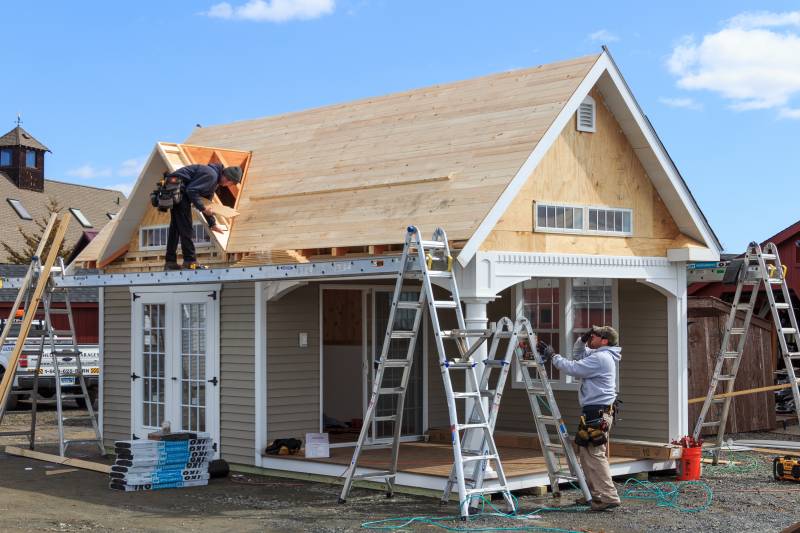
(689, 466)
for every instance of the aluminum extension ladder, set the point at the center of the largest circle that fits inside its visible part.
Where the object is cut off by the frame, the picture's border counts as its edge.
(758, 267)
(428, 260)
(557, 450)
(62, 343)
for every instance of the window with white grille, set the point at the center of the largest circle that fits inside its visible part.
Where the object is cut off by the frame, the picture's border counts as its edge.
(155, 237)
(590, 220)
(586, 115)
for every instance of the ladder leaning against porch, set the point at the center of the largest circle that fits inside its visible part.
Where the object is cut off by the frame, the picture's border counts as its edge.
(427, 260)
(759, 266)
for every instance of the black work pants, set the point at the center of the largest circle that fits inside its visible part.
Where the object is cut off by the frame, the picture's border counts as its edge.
(180, 225)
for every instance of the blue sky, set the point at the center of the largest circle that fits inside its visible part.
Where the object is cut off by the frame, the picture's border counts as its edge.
(101, 82)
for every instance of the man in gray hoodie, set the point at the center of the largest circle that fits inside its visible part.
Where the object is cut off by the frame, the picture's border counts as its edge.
(595, 358)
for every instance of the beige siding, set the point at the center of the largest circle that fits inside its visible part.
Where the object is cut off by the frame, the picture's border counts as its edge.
(116, 364)
(293, 372)
(644, 379)
(237, 372)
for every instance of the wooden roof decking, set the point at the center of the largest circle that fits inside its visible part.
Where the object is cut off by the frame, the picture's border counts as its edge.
(357, 174)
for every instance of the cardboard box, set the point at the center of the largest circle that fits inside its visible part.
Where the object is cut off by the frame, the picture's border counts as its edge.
(317, 445)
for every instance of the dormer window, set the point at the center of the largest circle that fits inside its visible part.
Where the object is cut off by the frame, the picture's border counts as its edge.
(81, 217)
(586, 115)
(5, 157)
(30, 158)
(20, 209)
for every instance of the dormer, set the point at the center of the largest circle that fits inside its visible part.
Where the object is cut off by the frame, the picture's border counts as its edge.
(22, 159)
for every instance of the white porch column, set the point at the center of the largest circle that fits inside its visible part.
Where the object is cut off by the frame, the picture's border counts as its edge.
(677, 325)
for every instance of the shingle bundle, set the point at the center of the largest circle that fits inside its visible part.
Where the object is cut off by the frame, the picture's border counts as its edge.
(180, 461)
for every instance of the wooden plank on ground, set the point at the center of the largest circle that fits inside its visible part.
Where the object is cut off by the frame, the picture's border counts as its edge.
(57, 459)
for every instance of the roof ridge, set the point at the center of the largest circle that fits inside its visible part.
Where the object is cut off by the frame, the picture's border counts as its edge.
(83, 185)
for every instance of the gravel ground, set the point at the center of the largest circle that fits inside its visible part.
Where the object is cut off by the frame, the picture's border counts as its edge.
(745, 498)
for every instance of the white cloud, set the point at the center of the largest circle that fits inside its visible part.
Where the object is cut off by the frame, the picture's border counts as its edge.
(130, 168)
(604, 36)
(124, 188)
(684, 103)
(89, 172)
(788, 112)
(764, 19)
(272, 10)
(746, 62)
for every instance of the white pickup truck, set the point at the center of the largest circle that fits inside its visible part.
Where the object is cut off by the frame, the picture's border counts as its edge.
(90, 363)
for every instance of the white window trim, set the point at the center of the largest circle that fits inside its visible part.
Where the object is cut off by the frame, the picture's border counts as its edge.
(585, 231)
(164, 246)
(564, 382)
(80, 217)
(16, 204)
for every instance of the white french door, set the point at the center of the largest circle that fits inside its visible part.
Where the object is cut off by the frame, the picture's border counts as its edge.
(175, 361)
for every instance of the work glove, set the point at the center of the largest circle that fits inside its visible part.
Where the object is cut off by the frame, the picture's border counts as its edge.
(545, 351)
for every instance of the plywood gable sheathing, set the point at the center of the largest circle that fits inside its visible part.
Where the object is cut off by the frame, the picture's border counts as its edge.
(357, 174)
(597, 169)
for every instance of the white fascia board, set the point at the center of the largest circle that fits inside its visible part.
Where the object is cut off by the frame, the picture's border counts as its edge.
(533, 160)
(692, 254)
(132, 213)
(663, 158)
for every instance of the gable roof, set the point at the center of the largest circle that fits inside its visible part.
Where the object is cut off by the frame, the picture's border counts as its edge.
(451, 155)
(93, 202)
(19, 137)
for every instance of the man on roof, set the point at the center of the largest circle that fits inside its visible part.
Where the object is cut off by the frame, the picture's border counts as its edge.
(198, 182)
(595, 358)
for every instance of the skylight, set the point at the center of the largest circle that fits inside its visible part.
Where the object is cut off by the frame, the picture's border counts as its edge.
(81, 217)
(20, 209)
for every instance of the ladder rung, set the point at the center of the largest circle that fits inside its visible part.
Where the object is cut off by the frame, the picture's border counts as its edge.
(75, 441)
(768, 257)
(565, 474)
(536, 391)
(528, 362)
(486, 490)
(737, 331)
(396, 363)
(556, 448)
(408, 305)
(711, 424)
(403, 334)
(726, 377)
(774, 281)
(480, 425)
(545, 419)
(390, 418)
(461, 365)
(460, 395)
(465, 333)
(445, 304)
(432, 244)
(781, 305)
(58, 311)
(730, 355)
(494, 363)
(72, 396)
(788, 331)
(388, 390)
(469, 458)
(793, 355)
(440, 274)
(743, 307)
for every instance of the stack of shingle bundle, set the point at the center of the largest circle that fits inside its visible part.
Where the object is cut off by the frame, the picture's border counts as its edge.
(177, 460)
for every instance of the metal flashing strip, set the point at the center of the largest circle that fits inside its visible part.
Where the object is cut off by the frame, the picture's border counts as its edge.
(374, 266)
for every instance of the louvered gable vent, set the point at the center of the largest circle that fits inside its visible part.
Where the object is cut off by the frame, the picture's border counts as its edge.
(586, 115)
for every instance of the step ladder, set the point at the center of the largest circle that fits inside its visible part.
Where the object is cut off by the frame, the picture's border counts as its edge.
(758, 267)
(62, 345)
(504, 329)
(559, 455)
(428, 260)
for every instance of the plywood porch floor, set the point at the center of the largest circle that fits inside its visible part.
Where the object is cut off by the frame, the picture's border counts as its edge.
(433, 459)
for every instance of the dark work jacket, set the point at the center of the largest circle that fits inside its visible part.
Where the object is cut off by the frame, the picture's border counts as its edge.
(200, 181)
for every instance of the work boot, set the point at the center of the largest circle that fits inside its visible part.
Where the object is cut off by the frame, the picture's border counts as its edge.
(583, 501)
(194, 265)
(600, 506)
(172, 265)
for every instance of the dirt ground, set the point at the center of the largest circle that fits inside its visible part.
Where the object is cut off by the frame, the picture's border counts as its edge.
(38, 496)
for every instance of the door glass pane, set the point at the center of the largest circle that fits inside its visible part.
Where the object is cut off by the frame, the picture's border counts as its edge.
(398, 349)
(542, 309)
(193, 366)
(153, 355)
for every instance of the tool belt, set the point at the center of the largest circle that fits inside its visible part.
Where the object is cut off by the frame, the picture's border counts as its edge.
(593, 427)
(167, 194)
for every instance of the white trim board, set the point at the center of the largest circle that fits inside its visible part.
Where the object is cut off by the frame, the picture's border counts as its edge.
(654, 158)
